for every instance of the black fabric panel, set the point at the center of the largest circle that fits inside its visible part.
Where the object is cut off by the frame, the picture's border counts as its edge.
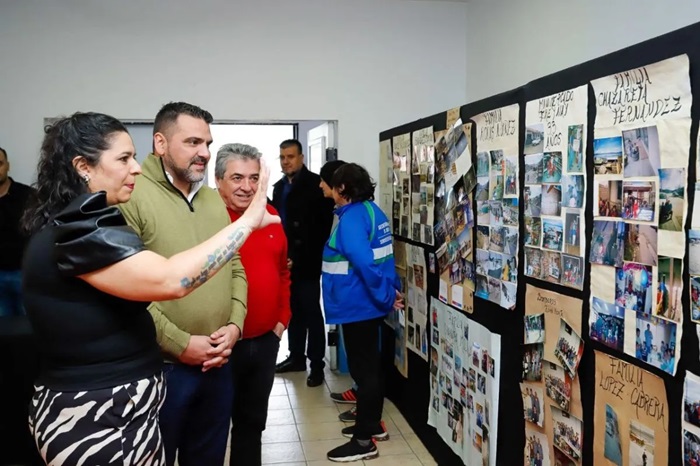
(412, 395)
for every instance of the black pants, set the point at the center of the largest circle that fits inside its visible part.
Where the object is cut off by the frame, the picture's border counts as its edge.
(307, 320)
(253, 364)
(364, 361)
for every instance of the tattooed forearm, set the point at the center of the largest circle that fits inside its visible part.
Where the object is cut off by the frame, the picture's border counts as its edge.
(218, 258)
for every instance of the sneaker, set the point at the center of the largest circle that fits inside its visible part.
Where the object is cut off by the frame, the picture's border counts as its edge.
(348, 396)
(380, 435)
(349, 415)
(353, 451)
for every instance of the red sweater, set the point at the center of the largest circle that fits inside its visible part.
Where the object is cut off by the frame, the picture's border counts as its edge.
(264, 257)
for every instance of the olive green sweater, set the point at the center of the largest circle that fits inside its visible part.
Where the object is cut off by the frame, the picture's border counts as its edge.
(168, 224)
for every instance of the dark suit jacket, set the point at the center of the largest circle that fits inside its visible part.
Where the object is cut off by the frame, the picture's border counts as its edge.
(308, 221)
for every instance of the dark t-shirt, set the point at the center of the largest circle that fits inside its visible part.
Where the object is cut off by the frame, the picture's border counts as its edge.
(88, 339)
(12, 240)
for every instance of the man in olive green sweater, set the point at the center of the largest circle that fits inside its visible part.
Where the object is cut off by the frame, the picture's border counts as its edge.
(172, 211)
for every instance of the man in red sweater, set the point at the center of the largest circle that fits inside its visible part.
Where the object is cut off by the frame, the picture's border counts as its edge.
(264, 257)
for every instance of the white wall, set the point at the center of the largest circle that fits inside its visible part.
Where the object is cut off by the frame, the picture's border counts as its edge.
(370, 64)
(512, 42)
(304, 127)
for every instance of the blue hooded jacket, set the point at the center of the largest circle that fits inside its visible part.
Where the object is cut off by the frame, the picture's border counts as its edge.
(359, 276)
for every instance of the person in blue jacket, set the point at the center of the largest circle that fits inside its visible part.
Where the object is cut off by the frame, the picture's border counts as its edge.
(360, 287)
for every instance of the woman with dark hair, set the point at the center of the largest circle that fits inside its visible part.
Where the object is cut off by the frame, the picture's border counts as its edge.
(87, 280)
(360, 288)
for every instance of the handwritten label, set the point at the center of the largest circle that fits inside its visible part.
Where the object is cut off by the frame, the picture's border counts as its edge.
(625, 381)
(550, 109)
(496, 126)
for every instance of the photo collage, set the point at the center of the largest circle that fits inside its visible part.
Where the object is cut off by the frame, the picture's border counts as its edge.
(691, 419)
(464, 384)
(454, 214)
(422, 186)
(401, 208)
(554, 195)
(635, 199)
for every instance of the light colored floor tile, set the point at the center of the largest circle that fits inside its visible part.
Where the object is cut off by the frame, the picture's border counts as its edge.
(416, 445)
(390, 426)
(318, 449)
(280, 417)
(396, 445)
(278, 402)
(283, 453)
(312, 400)
(323, 463)
(279, 389)
(315, 415)
(321, 431)
(401, 423)
(394, 460)
(280, 434)
(427, 460)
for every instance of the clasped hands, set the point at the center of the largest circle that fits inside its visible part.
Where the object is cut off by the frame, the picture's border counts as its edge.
(210, 351)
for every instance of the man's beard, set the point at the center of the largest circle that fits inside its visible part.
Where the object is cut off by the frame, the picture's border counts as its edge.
(185, 174)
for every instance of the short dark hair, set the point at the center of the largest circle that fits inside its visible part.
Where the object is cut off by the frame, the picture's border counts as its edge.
(328, 169)
(4, 152)
(353, 183)
(169, 112)
(286, 144)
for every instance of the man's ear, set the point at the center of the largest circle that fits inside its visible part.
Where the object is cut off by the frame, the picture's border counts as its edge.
(160, 144)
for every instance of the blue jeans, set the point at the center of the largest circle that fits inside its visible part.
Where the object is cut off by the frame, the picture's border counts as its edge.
(11, 293)
(195, 416)
(253, 361)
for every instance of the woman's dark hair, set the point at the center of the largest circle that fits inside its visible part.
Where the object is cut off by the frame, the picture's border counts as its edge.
(329, 169)
(353, 183)
(58, 183)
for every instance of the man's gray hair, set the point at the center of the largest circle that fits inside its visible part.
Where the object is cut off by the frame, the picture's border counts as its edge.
(235, 151)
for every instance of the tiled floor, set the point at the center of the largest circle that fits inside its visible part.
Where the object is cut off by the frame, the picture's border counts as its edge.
(303, 425)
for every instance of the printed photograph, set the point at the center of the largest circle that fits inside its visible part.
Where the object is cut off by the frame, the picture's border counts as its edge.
(691, 401)
(574, 159)
(536, 448)
(551, 266)
(694, 252)
(641, 150)
(533, 262)
(534, 139)
(552, 234)
(510, 268)
(482, 259)
(607, 243)
(695, 299)
(669, 289)
(511, 240)
(532, 200)
(511, 176)
(568, 433)
(639, 200)
(533, 403)
(633, 287)
(481, 383)
(560, 459)
(607, 324)
(510, 212)
(609, 198)
(551, 167)
(494, 265)
(613, 445)
(483, 213)
(534, 328)
(641, 445)
(482, 163)
(551, 200)
(557, 383)
(573, 191)
(691, 449)
(569, 348)
(641, 243)
(607, 156)
(482, 236)
(533, 169)
(533, 231)
(496, 162)
(496, 239)
(509, 292)
(573, 271)
(494, 290)
(496, 186)
(532, 362)
(672, 182)
(496, 210)
(655, 342)
(572, 240)
(482, 189)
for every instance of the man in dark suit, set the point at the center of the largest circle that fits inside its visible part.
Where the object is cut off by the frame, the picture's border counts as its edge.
(307, 217)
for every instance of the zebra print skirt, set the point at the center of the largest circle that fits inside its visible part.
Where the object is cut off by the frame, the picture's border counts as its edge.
(113, 426)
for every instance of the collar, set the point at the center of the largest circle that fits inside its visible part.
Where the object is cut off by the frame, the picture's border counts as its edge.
(153, 169)
(194, 187)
